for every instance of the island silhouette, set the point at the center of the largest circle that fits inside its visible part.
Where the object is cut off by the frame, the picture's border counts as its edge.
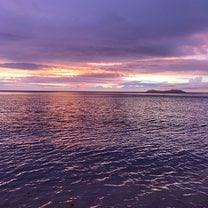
(166, 91)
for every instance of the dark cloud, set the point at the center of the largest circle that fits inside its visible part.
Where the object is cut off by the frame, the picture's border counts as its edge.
(77, 31)
(7, 36)
(26, 66)
(160, 66)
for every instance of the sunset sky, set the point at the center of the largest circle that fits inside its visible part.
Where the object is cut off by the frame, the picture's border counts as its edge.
(108, 45)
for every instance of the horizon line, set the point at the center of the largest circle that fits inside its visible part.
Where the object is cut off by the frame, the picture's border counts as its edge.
(99, 91)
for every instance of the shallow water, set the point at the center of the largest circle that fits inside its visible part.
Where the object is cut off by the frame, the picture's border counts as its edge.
(103, 150)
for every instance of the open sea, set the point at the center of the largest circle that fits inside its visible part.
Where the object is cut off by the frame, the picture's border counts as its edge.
(91, 150)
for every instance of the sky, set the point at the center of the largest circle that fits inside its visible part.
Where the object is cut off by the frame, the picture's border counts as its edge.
(104, 45)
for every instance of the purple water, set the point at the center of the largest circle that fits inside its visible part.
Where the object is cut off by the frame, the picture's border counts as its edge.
(106, 150)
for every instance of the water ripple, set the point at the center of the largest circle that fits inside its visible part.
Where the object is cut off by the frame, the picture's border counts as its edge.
(103, 150)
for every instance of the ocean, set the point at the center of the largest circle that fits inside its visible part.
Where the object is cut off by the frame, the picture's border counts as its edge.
(93, 149)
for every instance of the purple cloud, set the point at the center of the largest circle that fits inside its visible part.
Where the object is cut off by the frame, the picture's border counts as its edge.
(77, 31)
(26, 66)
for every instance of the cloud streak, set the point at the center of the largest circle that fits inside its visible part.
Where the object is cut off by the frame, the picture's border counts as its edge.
(26, 66)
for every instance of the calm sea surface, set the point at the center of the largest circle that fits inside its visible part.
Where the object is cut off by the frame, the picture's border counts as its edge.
(106, 150)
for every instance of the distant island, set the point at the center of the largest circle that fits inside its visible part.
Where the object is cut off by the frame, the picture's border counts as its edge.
(165, 91)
